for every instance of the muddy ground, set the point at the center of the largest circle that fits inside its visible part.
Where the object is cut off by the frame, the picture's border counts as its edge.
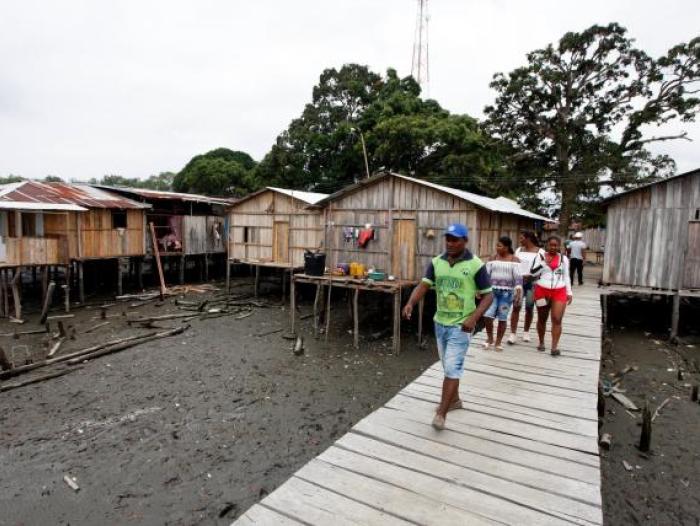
(663, 486)
(191, 429)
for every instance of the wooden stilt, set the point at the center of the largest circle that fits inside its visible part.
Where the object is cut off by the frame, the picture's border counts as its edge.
(645, 438)
(675, 317)
(317, 301)
(206, 267)
(397, 322)
(328, 309)
(81, 282)
(5, 295)
(284, 283)
(181, 268)
(257, 279)
(47, 302)
(421, 307)
(66, 290)
(355, 319)
(34, 278)
(228, 275)
(15, 292)
(120, 288)
(292, 304)
(2, 292)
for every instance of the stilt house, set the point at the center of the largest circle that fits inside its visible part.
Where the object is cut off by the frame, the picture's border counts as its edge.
(274, 226)
(653, 236)
(407, 217)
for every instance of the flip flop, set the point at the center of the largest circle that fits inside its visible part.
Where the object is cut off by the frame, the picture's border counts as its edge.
(541, 348)
(555, 352)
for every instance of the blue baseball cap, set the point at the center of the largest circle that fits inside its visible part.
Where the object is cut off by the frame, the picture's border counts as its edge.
(457, 230)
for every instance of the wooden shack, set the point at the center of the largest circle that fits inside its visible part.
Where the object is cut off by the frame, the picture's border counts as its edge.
(408, 216)
(62, 224)
(187, 226)
(273, 227)
(653, 239)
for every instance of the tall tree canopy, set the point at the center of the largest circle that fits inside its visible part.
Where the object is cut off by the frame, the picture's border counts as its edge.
(322, 149)
(221, 172)
(576, 117)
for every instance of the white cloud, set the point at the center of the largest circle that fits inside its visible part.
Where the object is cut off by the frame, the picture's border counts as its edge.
(135, 88)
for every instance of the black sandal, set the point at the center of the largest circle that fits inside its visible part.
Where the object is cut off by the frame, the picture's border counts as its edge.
(555, 352)
(541, 348)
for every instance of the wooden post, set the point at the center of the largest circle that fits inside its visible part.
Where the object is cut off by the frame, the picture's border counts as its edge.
(284, 282)
(5, 294)
(421, 307)
(15, 292)
(181, 269)
(675, 317)
(355, 319)
(328, 308)
(228, 276)
(120, 289)
(206, 267)
(317, 301)
(156, 252)
(2, 292)
(645, 438)
(397, 322)
(257, 279)
(66, 289)
(292, 303)
(47, 302)
(81, 282)
(694, 394)
(5, 364)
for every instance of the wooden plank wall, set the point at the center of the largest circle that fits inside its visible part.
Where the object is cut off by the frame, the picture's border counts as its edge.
(394, 198)
(259, 214)
(647, 234)
(100, 240)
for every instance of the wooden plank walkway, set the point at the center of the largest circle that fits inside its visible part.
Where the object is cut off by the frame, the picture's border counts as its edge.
(522, 451)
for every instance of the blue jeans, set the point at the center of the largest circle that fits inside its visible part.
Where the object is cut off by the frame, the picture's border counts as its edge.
(500, 306)
(452, 344)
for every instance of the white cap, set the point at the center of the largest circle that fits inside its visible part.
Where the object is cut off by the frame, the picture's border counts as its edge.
(578, 234)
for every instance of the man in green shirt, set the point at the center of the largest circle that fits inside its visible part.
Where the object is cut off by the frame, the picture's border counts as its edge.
(457, 277)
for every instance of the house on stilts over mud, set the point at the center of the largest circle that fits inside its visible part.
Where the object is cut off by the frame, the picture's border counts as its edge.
(55, 228)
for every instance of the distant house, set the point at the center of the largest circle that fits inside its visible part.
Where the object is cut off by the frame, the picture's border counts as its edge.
(185, 224)
(274, 226)
(407, 217)
(653, 235)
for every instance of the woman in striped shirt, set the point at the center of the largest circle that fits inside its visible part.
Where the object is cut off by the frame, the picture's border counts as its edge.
(507, 283)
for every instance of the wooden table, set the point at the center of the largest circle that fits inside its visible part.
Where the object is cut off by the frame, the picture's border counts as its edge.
(394, 287)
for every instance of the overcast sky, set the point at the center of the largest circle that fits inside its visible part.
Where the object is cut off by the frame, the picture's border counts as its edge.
(134, 88)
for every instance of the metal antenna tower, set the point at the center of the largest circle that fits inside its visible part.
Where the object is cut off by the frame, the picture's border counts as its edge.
(420, 63)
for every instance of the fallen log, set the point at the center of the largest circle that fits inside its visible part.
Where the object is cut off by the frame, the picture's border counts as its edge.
(95, 327)
(658, 409)
(56, 346)
(47, 302)
(26, 368)
(626, 402)
(37, 379)
(159, 318)
(60, 317)
(126, 345)
(17, 334)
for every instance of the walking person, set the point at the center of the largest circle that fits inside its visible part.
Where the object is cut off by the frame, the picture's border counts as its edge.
(527, 252)
(457, 277)
(577, 255)
(552, 291)
(507, 283)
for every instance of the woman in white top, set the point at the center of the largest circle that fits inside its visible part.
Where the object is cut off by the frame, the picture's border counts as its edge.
(552, 291)
(526, 253)
(507, 284)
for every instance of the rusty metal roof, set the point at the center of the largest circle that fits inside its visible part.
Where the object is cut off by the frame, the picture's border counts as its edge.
(161, 194)
(82, 195)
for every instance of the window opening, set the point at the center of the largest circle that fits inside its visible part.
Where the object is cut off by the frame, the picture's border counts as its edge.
(118, 219)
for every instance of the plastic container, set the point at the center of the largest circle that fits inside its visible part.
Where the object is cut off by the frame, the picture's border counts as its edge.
(314, 263)
(377, 275)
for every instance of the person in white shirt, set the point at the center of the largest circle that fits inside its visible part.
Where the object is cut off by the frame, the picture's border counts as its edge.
(577, 255)
(526, 253)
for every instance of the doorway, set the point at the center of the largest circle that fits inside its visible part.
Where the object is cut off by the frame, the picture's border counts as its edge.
(403, 249)
(280, 242)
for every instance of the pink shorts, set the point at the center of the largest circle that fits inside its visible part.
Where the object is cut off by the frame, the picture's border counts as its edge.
(550, 294)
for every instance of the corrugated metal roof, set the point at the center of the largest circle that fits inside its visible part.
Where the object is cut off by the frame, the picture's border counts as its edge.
(64, 194)
(23, 205)
(162, 194)
(499, 204)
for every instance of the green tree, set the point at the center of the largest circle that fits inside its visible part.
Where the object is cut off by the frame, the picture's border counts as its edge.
(220, 172)
(52, 179)
(11, 178)
(575, 116)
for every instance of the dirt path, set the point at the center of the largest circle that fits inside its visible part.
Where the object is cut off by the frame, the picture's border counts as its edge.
(187, 430)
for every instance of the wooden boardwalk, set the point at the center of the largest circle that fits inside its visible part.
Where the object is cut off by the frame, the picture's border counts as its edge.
(522, 451)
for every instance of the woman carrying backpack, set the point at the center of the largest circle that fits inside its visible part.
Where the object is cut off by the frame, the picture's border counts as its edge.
(552, 291)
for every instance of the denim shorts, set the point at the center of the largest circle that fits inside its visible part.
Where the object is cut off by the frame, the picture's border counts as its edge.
(452, 344)
(500, 306)
(529, 296)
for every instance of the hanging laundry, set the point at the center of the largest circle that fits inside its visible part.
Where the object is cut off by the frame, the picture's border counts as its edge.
(348, 232)
(366, 234)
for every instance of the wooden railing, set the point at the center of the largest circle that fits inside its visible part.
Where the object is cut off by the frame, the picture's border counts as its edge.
(34, 251)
